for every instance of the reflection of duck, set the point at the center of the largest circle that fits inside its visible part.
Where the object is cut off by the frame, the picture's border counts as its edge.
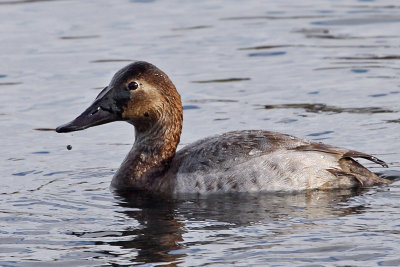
(156, 230)
(144, 96)
(151, 232)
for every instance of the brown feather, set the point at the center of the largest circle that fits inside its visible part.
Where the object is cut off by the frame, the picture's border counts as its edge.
(348, 166)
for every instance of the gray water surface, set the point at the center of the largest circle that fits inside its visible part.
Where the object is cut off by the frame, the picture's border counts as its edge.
(323, 70)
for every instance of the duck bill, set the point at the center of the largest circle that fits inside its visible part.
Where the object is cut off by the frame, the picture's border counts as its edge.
(102, 110)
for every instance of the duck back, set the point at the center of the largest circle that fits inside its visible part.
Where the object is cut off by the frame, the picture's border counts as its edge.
(246, 161)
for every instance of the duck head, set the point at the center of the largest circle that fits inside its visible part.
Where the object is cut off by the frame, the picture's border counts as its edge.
(140, 94)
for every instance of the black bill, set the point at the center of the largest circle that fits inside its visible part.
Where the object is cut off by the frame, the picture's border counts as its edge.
(103, 110)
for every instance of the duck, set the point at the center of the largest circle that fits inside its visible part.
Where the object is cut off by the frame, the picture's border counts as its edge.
(237, 161)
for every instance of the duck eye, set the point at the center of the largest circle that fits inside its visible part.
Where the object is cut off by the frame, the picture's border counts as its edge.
(133, 86)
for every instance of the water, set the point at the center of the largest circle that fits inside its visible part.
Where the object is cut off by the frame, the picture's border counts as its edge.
(325, 70)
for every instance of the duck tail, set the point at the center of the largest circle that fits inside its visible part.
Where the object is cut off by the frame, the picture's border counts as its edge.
(356, 154)
(351, 168)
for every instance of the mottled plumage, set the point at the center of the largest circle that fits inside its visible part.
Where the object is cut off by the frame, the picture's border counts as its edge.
(239, 161)
(267, 161)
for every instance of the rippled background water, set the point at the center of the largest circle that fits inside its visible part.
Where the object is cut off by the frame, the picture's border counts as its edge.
(324, 70)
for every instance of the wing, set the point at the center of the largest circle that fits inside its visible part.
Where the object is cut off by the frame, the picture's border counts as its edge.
(238, 145)
(218, 152)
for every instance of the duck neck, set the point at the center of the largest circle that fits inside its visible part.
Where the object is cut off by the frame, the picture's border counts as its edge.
(151, 155)
(157, 145)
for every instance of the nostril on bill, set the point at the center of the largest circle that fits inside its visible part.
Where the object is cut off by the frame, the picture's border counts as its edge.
(94, 112)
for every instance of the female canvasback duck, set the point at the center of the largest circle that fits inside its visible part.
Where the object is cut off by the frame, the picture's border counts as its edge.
(238, 161)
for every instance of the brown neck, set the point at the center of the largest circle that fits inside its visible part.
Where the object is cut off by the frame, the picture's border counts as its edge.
(151, 154)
